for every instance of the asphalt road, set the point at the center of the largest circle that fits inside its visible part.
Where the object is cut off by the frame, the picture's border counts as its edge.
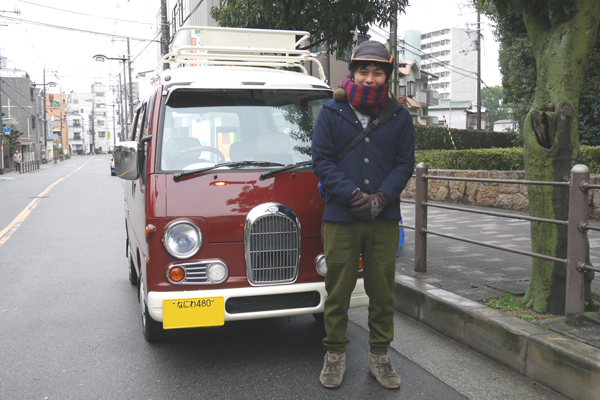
(71, 327)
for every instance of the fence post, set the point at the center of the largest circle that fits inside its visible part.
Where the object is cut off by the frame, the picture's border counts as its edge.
(577, 245)
(421, 190)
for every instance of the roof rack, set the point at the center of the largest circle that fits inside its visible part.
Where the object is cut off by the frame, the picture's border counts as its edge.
(238, 46)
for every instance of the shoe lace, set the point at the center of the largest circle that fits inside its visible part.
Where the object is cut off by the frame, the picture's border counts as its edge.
(384, 366)
(333, 364)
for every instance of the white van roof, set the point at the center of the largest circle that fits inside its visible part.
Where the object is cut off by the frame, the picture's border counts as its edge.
(202, 47)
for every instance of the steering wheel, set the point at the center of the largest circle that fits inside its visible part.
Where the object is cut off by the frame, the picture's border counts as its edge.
(199, 149)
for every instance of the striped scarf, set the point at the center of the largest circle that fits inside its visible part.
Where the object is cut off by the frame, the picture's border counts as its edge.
(366, 99)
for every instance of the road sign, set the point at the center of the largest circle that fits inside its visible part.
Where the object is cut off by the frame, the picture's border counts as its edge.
(7, 129)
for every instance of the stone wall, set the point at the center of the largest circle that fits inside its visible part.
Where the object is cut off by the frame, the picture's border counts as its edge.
(487, 194)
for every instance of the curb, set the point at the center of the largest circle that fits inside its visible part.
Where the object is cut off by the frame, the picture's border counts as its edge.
(563, 364)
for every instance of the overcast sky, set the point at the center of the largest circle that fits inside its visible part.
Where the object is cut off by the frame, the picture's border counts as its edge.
(62, 36)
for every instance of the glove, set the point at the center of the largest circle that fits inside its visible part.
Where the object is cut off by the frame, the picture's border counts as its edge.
(369, 206)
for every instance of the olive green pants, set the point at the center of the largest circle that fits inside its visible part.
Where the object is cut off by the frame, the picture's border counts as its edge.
(344, 242)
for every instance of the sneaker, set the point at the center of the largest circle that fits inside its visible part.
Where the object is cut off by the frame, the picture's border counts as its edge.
(381, 368)
(333, 370)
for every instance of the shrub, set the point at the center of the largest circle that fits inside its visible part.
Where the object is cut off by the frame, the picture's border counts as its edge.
(510, 159)
(436, 138)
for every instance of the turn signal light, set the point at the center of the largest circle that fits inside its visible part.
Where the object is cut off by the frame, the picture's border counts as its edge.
(176, 274)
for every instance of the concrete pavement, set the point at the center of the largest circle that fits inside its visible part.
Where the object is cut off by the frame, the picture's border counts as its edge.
(459, 275)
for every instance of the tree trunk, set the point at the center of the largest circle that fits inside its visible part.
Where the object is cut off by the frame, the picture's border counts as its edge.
(552, 143)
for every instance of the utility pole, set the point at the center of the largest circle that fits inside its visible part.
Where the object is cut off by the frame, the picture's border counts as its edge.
(45, 120)
(164, 42)
(124, 98)
(130, 83)
(478, 71)
(394, 49)
(1, 134)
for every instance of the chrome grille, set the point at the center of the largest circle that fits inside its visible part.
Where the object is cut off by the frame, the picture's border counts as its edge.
(272, 240)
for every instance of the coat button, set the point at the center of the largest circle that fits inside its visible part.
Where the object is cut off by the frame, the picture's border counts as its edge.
(367, 139)
(366, 160)
(366, 181)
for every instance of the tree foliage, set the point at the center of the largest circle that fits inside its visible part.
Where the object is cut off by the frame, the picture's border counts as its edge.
(562, 34)
(333, 21)
(518, 69)
(11, 140)
(493, 99)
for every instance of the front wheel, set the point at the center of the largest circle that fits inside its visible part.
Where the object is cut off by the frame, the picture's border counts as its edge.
(153, 330)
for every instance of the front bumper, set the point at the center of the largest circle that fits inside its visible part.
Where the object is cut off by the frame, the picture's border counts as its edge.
(155, 299)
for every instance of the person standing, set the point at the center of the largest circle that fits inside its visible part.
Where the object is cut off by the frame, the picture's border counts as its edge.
(17, 160)
(362, 194)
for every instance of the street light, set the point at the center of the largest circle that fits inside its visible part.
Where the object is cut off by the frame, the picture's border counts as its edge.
(102, 58)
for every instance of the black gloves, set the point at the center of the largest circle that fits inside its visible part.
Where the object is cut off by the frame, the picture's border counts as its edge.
(367, 206)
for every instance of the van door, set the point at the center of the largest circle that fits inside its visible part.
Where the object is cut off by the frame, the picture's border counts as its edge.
(134, 197)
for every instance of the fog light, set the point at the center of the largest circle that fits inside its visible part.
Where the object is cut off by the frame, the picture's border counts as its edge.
(217, 272)
(176, 274)
(321, 265)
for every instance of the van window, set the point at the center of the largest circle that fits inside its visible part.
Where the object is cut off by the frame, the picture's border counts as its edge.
(202, 127)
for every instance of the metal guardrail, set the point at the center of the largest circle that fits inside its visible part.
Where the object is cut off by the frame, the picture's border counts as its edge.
(577, 228)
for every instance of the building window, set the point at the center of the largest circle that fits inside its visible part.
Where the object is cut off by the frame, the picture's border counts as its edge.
(101, 134)
(76, 122)
(100, 94)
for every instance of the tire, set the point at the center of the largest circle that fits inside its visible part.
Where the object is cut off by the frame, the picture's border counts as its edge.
(153, 330)
(133, 278)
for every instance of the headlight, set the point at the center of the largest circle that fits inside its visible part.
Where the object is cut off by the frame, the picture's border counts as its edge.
(321, 265)
(182, 239)
(217, 272)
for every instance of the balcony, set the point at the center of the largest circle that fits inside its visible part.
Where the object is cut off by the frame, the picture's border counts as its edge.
(428, 97)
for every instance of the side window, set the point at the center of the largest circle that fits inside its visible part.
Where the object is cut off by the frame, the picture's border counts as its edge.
(134, 120)
(139, 124)
(148, 108)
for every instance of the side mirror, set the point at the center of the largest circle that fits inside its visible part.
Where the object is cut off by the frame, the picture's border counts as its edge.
(126, 161)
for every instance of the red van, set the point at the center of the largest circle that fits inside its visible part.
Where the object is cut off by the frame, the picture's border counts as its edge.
(222, 211)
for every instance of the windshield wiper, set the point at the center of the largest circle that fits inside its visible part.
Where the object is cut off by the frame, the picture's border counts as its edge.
(270, 172)
(232, 164)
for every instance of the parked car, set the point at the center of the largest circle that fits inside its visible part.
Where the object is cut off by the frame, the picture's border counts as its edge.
(222, 212)
(112, 167)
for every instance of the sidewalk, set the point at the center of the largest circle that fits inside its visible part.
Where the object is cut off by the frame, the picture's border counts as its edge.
(459, 275)
(12, 173)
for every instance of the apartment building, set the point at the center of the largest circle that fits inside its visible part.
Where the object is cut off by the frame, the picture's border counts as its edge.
(99, 127)
(451, 55)
(79, 110)
(21, 112)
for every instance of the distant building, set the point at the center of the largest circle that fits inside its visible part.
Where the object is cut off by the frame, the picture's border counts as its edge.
(20, 111)
(98, 122)
(505, 125)
(459, 114)
(79, 110)
(447, 53)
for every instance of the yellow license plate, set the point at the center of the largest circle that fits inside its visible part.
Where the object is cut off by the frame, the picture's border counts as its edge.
(193, 313)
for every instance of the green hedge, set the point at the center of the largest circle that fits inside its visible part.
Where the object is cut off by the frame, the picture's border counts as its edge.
(510, 159)
(435, 138)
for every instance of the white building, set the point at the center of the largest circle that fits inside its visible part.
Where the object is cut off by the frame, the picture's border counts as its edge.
(99, 128)
(79, 109)
(449, 54)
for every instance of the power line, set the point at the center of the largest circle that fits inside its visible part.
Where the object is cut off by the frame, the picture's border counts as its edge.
(88, 15)
(72, 29)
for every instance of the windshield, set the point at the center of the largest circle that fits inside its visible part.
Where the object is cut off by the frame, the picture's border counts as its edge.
(203, 127)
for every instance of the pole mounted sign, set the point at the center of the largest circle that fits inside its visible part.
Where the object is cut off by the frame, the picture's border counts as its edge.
(7, 129)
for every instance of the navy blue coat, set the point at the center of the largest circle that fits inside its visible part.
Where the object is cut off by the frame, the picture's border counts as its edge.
(382, 162)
